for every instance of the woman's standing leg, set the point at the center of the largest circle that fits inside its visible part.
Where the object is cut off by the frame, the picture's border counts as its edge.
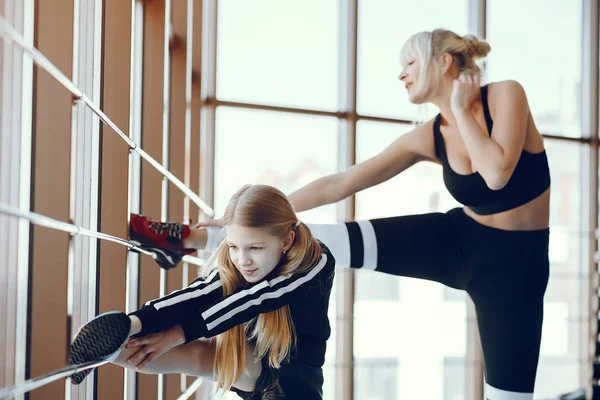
(508, 293)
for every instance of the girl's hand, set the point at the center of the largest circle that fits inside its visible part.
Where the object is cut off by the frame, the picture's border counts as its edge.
(465, 91)
(154, 345)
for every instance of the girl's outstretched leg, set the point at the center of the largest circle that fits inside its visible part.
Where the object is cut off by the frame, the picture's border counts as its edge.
(103, 336)
(195, 359)
(99, 339)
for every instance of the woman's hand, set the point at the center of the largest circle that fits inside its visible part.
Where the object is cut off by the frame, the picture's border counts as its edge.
(154, 345)
(465, 91)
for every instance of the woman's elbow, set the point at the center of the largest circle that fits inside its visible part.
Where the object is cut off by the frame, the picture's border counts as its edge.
(498, 180)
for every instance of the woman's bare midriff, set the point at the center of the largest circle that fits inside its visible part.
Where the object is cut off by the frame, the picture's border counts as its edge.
(528, 217)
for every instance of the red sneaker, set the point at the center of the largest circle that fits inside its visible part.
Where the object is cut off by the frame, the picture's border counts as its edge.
(165, 239)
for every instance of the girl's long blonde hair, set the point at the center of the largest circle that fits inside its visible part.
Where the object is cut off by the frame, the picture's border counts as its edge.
(264, 207)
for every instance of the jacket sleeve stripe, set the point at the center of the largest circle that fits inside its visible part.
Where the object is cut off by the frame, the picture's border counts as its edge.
(265, 296)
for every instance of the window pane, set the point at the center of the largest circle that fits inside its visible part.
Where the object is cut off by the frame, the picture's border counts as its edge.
(383, 27)
(566, 225)
(566, 310)
(560, 377)
(547, 62)
(279, 52)
(424, 363)
(457, 373)
(418, 190)
(283, 150)
(376, 379)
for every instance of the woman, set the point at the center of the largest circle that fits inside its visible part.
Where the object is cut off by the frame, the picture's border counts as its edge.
(494, 163)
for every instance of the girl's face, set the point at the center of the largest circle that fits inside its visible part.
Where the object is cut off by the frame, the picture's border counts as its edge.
(255, 252)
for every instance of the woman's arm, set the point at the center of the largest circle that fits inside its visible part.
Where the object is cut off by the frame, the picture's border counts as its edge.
(404, 152)
(495, 156)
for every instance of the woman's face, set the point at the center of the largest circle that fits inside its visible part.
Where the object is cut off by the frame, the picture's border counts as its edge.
(410, 77)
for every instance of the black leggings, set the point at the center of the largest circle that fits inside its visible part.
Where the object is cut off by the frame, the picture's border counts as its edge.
(504, 272)
(293, 381)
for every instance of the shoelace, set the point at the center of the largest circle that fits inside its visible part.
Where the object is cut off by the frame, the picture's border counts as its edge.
(172, 229)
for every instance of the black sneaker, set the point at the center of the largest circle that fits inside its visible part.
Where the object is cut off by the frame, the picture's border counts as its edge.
(101, 338)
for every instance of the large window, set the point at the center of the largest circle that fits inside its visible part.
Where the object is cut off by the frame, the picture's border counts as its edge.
(383, 27)
(283, 150)
(276, 76)
(544, 57)
(279, 53)
(405, 315)
(377, 379)
(553, 87)
(566, 309)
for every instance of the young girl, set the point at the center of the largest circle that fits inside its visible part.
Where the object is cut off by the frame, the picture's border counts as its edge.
(264, 304)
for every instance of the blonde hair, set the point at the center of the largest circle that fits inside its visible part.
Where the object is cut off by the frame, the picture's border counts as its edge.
(264, 207)
(430, 46)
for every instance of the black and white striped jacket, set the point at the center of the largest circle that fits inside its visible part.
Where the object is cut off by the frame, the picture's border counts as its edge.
(203, 311)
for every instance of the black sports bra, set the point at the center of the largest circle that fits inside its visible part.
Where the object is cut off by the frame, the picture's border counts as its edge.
(530, 178)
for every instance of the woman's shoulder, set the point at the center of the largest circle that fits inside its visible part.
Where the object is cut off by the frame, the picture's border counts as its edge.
(506, 87)
(501, 93)
(425, 126)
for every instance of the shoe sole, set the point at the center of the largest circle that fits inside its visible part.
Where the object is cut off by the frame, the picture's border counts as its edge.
(99, 339)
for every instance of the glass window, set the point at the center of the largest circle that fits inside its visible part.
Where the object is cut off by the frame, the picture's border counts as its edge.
(420, 189)
(383, 27)
(566, 222)
(376, 379)
(424, 361)
(455, 372)
(2, 84)
(547, 62)
(283, 150)
(279, 52)
(375, 287)
(566, 309)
